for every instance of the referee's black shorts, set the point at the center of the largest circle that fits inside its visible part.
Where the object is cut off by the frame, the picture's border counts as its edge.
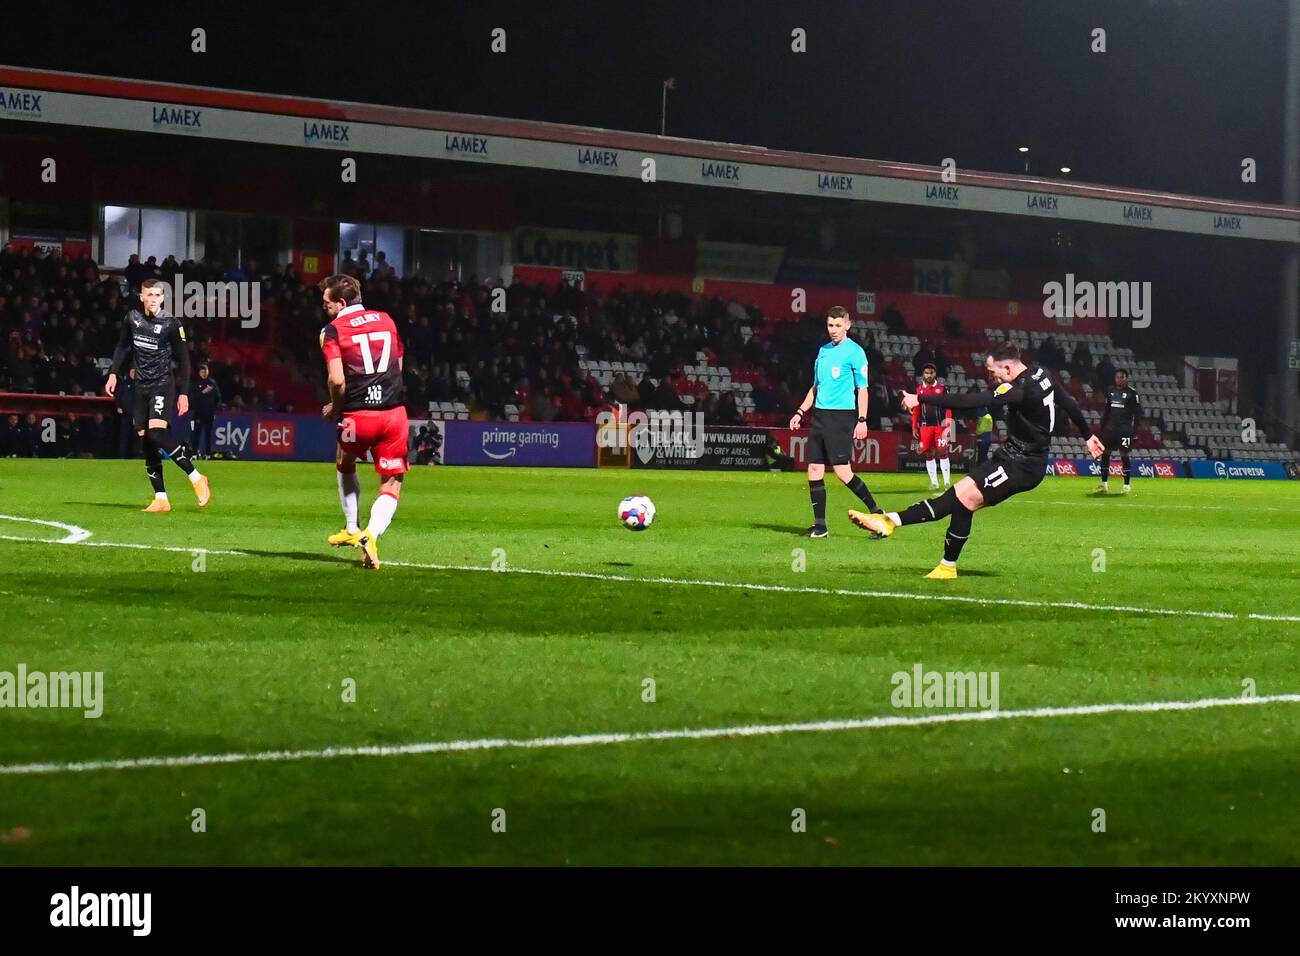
(831, 439)
(1003, 475)
(153, 401)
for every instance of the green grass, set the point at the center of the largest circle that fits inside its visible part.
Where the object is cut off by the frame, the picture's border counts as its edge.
(250, 654)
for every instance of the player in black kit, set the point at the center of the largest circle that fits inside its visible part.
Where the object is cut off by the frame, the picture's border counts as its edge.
(1018, 465)
(151, 339)
(1118, 423)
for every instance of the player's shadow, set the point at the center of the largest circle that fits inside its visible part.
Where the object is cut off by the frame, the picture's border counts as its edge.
(107, 504)
(296, 555)
(782, 528)
(619, 564)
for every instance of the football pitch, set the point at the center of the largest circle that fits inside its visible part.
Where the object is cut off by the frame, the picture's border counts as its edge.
(526, 682)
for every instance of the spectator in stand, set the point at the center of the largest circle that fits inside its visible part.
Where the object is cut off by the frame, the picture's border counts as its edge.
(95, 437)
(1104, 377)
(875, 357)
(983, 429)
(923, 357)
(542, 408)
(135, 273)
(940, 362)
(8, 435)
(624, 391)
(647, 391)
(893, 320)
(349, 265)
(1051, 354)
(951, 326)
(727, 413)
(204, 402)
(1081, 362)
(25, 436)
(383, 270)
(169, 268)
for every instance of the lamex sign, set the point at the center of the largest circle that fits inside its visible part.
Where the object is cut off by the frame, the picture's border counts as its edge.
(22, 103)
(465, 146)
(274, 437)
(877, 452)
(178, 119)
(558, 444)
(835, 183)
(316, 132)
(1238, 469)
(597, 160)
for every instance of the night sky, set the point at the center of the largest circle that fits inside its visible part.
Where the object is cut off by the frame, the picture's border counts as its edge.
(1186, 89)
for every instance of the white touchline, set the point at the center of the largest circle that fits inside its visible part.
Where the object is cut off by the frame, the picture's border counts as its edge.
(593, 740)
(73, 539)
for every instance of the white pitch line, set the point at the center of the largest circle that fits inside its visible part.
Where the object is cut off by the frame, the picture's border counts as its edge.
(592, 740)
(731, 585)
(850, 592)
(74, 535)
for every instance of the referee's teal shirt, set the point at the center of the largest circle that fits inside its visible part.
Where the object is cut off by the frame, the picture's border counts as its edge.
(838, 371)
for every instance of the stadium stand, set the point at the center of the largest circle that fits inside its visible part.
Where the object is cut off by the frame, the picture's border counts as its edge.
(557, 356)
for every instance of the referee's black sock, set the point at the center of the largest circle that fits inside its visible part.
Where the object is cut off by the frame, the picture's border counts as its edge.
(859, 488)
(153, 465)
(958, 532)
(1127, 464)
(817, 492)
(931, 510)
(176, 450)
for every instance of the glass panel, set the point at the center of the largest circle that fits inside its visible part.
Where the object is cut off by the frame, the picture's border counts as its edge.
(121, 235)
(163, 233)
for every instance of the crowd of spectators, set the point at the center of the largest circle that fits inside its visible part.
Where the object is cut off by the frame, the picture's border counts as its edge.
(60, 319)
(516, 349)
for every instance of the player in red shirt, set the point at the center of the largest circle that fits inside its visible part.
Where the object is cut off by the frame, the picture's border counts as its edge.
(932, 432)
(363, 353)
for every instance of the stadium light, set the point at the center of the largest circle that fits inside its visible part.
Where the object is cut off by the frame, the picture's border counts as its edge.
(1065, 170)
(1024, 151)
(669, 84)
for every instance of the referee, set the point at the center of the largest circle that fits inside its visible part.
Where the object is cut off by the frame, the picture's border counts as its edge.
(840, 394)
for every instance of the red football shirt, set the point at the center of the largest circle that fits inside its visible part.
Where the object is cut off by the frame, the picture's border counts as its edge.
(367, 342)
(929, 414)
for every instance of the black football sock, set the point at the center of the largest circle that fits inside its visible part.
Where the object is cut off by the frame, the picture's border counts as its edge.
(817, 492)
(1127, 464)
(1105, 467)
(176, 450)
(958, 532)
(153, 465)
(931, 510)
(859, 488)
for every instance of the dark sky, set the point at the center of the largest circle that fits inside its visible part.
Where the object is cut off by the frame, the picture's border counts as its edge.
(1186, 89)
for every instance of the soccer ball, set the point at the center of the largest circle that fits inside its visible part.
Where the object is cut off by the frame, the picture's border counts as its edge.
(636, 512)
